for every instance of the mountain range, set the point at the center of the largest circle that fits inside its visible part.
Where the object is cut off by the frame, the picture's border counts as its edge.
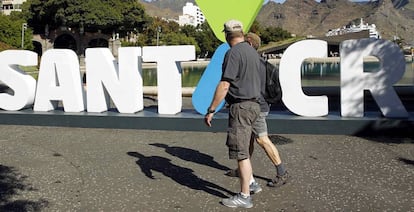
(308, 17)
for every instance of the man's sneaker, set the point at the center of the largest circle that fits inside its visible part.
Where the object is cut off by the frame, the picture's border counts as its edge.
(279, 180)
(255, 188)
(237, 201)
(233, 173)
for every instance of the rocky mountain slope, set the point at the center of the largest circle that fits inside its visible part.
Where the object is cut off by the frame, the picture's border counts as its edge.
(393, 18)
(308, 17)
(169, 9)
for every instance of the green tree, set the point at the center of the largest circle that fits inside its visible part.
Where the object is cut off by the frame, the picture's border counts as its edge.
(206, 40)
(11, 32)
(274, 34)
(189, 30)
(174, 38)
(107, 16)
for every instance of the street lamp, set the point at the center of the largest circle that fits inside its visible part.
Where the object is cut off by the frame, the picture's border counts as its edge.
(24, 27)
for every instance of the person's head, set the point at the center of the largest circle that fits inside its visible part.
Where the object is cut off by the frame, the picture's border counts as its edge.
(253, 39)
(233, 30)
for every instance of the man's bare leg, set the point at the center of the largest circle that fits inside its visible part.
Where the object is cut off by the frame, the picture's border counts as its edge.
(270, 149)
(273, 154)
(245, 169)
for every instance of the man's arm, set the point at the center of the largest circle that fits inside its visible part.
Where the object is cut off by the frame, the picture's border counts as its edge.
(219, 94)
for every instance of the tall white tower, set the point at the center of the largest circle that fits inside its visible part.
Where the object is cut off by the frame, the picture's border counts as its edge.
(192, 15)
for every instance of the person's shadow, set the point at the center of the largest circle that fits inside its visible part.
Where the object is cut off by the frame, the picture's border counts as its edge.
(197, 157)
(181, 175)
(191, 155)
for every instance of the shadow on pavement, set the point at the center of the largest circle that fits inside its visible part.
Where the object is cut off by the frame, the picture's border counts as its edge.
(192, 156)
(396, 140)
(199, 157)
(280, 140)
(388, 128)
(181, 175)
(11, 183)
(406, 161)
(390, 139)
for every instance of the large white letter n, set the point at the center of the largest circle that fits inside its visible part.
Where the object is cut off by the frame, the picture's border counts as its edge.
(123, 83)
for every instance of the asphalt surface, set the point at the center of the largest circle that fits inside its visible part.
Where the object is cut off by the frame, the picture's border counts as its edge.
(76, 169)
(87, 169)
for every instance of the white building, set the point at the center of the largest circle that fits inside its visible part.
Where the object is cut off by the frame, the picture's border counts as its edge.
(7, 6)
(373, 32)
(192, 15)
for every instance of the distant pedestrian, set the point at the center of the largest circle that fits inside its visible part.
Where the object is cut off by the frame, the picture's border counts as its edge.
(240, 86)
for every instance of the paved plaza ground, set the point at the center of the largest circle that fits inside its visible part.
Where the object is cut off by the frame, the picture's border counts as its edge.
(79, 169)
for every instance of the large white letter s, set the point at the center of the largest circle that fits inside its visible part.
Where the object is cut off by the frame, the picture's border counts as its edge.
(22, 84)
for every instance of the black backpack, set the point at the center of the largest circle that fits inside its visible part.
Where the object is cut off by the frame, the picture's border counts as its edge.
(273, 92)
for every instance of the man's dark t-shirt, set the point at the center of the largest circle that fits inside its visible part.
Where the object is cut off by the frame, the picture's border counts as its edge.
(241, 68)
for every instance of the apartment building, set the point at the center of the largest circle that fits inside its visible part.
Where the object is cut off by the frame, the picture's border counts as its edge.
(192, 15)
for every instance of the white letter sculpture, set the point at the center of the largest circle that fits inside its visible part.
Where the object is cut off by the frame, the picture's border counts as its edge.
(123, 83)
(169, 74)
(290, 78)
(59, 80)
(22, 84)
(354, 80)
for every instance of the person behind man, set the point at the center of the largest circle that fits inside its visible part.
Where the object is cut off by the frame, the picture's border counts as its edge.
(260, 133)
(260, 128)
(240, 87)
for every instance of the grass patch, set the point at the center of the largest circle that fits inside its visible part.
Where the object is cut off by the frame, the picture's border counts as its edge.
(31, 70)
(281, 43)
